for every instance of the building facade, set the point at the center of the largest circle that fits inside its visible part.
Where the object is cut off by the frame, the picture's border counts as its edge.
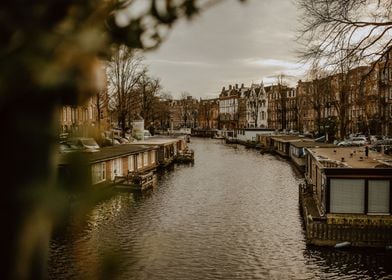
(85, 120)
(256, 106)
(229, 108)
(208, 113)
(280, 100)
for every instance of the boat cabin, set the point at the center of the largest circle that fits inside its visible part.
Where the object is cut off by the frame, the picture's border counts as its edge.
(345, 181)
(347, 197)
(167, 148)
(281, 144)
(250, 134)
(298, 151)
(110, 165)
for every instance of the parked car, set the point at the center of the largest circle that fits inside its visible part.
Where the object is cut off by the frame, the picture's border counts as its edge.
(64, 147)
(359, 141)
(354, 141)
(308, 135)
(82, 144)
(344, 143)
(110, 141)
(385, 143)
(120, 140)
(321, 139)
(147, 134)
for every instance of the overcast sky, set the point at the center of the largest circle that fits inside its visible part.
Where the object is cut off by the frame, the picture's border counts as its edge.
(229, 43)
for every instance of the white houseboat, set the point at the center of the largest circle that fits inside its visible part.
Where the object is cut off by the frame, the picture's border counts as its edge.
(250, 134)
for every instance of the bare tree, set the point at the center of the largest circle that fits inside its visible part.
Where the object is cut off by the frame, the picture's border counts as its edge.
(125, 70)
(185, 108)
(148, 89)
(162, 113)
(101, 103)
(360, 28)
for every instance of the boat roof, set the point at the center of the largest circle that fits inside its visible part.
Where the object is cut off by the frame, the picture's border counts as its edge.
(356, 160)
(257, 129)
(308, 143)
(156, 141)
(287, 138)
(104, 153)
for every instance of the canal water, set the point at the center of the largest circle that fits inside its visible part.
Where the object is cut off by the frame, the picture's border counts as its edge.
(232, 215)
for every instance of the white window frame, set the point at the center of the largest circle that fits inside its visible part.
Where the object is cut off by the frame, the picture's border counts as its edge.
(338, 195)
(98, 172)
(117, 168)
(131, 163)
(139, 161)
(153, 157)
(373, 198)
(145, 159)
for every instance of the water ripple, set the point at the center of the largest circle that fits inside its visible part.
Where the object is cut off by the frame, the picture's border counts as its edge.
(232, 215)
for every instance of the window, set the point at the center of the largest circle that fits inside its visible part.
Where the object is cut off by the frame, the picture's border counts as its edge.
(378, 196)
(117, 169)
(145, 158)
(152, 157)
(64, 114)
(98, 171)
(139, 161)
(347, 196)
(131, 163)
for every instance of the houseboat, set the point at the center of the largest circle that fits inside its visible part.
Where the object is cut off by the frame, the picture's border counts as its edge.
(185, 156)
(168, 148)
(298, 150)
(125, 165)
(264, 142)
(210, 133)
(281, 144)
(249, 135)
(347, 197)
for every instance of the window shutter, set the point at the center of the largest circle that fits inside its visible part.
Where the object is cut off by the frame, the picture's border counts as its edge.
(378, 201)
(347, 196)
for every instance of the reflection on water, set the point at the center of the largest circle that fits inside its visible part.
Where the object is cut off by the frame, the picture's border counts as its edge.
(232, 215)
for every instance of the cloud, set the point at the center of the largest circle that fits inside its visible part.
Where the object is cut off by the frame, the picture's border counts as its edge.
(229, 43)
(181, 62)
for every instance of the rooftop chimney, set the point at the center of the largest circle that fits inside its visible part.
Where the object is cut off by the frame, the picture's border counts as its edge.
(236, 86)
(242, 85)
(229, 86)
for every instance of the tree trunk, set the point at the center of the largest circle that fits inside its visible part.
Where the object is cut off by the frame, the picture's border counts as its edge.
(29, 181)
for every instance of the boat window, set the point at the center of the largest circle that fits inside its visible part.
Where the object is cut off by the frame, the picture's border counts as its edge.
(378, 196)
(347, 196)
(145, 158)
(131, 163)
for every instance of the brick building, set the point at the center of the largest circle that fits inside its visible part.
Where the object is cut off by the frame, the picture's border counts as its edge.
(208, 113)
